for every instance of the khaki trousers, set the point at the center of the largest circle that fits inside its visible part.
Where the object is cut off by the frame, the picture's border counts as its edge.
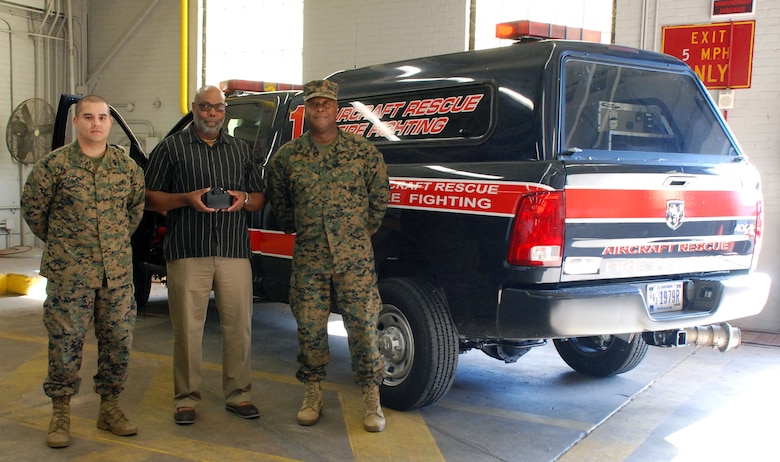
(190, 282)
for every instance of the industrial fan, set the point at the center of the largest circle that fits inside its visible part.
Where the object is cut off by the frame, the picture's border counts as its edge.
(29, 131)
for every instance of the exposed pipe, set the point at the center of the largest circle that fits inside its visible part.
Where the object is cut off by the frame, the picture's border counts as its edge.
(11, 100)
(62, 24)
(55, 20)
(10, 64)
(49, 9)
(722, 336)
(57, 23)
(20, 7)
(184, 57)
(71, 62)
(643, 25)
(655, 25)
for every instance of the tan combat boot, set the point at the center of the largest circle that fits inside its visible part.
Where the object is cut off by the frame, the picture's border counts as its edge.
(311, 409)
(59, 427)
(113, 419)
(373, 417)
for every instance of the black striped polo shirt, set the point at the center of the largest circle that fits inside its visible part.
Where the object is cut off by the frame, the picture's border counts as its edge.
(182, 163)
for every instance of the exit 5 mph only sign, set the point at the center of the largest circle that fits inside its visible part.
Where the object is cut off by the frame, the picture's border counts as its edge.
(721, 54)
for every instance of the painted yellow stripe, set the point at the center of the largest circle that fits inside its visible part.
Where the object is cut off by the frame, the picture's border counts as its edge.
(519, 416)
(156, 409)
(406, 436)
(17, 387)
(622, 433)
(24, 338)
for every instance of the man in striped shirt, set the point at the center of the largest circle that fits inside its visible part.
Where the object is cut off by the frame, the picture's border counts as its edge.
(207, 247)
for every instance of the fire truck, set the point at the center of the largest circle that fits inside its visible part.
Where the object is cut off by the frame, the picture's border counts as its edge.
(586, 194)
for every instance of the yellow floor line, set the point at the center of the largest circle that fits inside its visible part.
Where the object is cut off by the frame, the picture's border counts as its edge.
(617, 437)
(516, 415)
(407, 427)
(156, 407)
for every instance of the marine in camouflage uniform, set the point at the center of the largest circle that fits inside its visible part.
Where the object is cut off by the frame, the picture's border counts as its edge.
(334, 196)
(85, 209)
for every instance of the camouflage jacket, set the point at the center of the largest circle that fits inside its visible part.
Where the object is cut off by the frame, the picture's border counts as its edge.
(85, 215)
(333, 202)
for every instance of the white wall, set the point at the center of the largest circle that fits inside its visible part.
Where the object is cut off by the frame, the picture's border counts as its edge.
(134, 51)
(755, 118)
(346, 34)
(34, 63)
(129, 58)
(264, 42)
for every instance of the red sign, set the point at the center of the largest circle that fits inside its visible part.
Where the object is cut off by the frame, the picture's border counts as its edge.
(721, 54)
(728, 7)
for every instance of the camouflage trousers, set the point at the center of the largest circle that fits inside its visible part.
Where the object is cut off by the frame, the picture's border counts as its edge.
(67, 314)
(356, 295)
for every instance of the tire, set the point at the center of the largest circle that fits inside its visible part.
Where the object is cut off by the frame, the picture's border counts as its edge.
(603, 355)
(418, 343)
(142, 281)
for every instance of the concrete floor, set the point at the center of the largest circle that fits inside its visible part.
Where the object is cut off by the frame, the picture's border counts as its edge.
(679, 404)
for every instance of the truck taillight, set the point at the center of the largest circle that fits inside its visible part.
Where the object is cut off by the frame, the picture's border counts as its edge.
(538, 229)
(759, 231)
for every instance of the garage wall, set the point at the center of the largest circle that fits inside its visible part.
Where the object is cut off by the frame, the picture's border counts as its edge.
(132, 58)
(134, 52)
(755, 118)
(127, 52)
(34, 64)
(346, 34)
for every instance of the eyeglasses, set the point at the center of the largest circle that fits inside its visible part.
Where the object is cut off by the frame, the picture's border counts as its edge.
(206, 107)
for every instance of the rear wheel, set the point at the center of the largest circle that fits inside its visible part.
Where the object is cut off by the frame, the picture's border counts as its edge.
(418, 343)
(143, 283)
(602, 355)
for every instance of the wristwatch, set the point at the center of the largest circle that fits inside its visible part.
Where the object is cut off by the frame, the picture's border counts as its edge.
(246, 201)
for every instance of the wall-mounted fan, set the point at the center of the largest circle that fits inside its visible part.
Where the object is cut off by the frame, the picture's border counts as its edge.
(29, 131)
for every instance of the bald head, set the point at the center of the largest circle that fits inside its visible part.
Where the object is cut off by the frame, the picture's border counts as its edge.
(208, 112)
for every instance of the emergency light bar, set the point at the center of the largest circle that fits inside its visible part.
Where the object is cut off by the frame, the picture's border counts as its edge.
(518, 30)
(235, 86)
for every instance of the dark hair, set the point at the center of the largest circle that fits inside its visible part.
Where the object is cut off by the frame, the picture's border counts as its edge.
(89, 99)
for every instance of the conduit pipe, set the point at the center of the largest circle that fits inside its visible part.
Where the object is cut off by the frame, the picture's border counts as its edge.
(184, 58)
(71, 63)
(11, 111)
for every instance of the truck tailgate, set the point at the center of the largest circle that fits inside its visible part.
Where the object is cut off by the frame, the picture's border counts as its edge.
(626, 222)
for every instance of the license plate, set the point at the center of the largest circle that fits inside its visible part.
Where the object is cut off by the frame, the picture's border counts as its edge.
(665, 296)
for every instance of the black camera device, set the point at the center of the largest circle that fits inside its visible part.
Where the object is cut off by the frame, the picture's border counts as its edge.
(217, 198)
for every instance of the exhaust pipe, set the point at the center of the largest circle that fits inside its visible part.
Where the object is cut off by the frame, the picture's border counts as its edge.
(722, 336)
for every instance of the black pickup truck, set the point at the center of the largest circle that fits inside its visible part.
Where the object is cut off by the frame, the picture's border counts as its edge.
(582, 193)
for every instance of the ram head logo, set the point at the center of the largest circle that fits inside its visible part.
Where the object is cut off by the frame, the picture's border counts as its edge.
(675, 212)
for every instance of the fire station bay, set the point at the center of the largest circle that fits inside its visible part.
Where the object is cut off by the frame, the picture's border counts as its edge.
(451, 230)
